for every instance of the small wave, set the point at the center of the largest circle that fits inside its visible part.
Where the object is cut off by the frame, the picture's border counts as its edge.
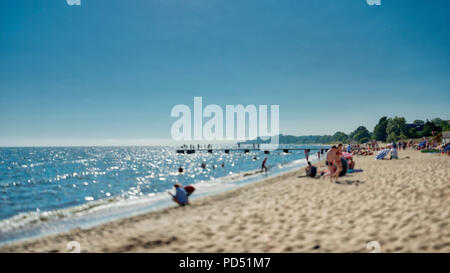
(32, 218)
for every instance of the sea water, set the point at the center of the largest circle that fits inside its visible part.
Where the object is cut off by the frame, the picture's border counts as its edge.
(45, 190)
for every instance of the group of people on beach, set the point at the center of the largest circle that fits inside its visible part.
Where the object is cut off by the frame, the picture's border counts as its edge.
(433, 144)
(334, 169)
(334, 161)
(336, 164)
(426, 143)
(182, 193)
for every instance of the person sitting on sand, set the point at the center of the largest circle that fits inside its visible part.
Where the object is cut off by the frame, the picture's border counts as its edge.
(263, 165)
(181, 196)
(351, 163)
(311, 170)
(394, 153)
(446, 149)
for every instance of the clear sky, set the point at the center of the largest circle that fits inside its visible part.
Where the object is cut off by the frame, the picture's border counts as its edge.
(110, 72)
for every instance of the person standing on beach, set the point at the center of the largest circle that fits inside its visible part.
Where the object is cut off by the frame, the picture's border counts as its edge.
(307, 154)
(339, 147)
(338, 162)
(263, 166)
(332, 157)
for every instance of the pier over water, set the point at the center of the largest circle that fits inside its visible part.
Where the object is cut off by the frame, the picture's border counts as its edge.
(247, 150)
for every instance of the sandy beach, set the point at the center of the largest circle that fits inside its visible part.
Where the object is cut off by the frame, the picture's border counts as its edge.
(402, 204)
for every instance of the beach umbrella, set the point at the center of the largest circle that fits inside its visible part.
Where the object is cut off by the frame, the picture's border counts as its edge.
(347, 155)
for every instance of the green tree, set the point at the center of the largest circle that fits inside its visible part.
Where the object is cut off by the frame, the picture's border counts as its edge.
(364, 139)
(413, 133)
(402, 137)
(430, 127)
(379, 132)
(419, 123)
(396, 125)
(437, 121)
(445, 125)
(361, 134)
(392, 137)
(340, 136)
(426, 132)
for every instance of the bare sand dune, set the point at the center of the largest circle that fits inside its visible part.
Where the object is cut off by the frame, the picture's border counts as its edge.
(402, 204)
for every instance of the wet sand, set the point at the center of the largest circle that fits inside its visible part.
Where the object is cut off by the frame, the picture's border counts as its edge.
(402, 204)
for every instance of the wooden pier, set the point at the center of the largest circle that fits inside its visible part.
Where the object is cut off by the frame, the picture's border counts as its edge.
(247, 150)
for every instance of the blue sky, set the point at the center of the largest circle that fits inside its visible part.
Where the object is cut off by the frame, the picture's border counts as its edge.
(111, 71)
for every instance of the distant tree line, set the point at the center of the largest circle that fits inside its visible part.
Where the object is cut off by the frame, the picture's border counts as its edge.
(394, 129)
(387, 130)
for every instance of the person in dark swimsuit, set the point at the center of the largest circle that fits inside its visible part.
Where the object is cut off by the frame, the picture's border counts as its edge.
(263, 166)
(311, 170)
